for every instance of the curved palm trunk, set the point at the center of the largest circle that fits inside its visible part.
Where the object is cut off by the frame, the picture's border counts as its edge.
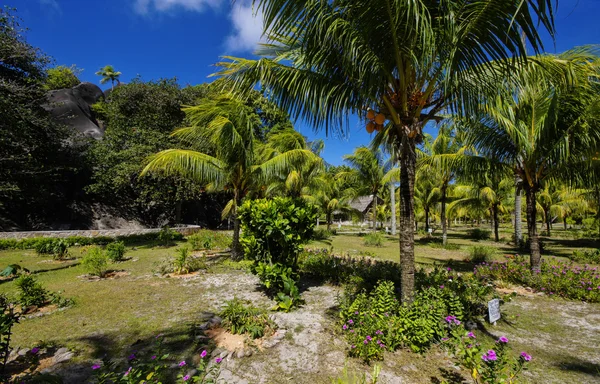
(408, 164)
(443, 217)
(393, 203)
(496, 223)
(518, 223)
(534, 241)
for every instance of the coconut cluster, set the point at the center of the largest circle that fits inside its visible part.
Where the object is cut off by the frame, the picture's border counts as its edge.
(376, 121)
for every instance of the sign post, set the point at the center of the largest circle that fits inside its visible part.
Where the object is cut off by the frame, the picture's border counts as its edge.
(494, 310)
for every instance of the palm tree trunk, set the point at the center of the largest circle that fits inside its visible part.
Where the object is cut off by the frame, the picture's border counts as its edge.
(408, 164)
(534, 241)
(427, 220)
(374, 209)
(236, 247)
(518, 227)
(496, 223)
(178, 212)
(328, 217)
(548, 225)
(443, 217)
(393, 203)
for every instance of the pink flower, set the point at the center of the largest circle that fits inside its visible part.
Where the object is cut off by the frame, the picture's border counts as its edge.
(34, 350)
(203, 354)
(525, 356)
(185, 378)
(503, 340)
(182, 364)
(471, 335)
(128, 372)
(96, 366)
(344, 327)
(218, 360)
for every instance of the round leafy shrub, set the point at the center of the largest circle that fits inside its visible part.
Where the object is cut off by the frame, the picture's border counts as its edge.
(480, 254)
(116, 251)
(478, 234)
(241, 319)
(95, 262)
(374, 240)
(59, 248)
(31, 292)
(321, 234)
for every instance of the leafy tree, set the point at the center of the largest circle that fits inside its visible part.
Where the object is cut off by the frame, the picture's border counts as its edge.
(108, 73)
(331, 197)
(229, 126)
(560, 202)
(62, 77)
(36, 163)
(406, 60)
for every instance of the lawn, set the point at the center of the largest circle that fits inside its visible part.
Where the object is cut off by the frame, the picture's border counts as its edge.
(123, 315)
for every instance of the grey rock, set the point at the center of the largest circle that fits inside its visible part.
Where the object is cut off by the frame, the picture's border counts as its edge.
(216, 320)
(204, 326)
(471, 325)
(249, 352)
(224, 354)
(23, 352)
(205, 316)
(62, 355)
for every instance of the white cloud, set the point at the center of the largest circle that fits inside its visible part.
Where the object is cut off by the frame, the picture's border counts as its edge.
(247, 26)
(145, 6)
(52, 4)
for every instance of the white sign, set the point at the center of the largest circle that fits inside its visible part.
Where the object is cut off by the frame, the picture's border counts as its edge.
(494, 310)
(430, 230)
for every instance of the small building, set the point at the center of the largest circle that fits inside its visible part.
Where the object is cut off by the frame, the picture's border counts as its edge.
(361, 207)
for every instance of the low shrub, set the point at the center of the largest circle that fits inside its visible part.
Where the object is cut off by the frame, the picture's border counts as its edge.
(116, 251)
(95, 261)
(168, 236)
(31, 291)
(554, 278)
(493, 366)
(241, 319)
(322, 234)
(156, 367)
(183, 263)
(281, 283)
(375, 239)
(587, 256)
(478, 234)
(479, 254)
(59, 300)
(8, 318)
(59, 248)
(242, 265)
(348, 377)
(205, 239)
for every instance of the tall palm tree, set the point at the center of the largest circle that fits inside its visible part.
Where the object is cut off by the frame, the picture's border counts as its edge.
(108, 73)
(538, 127)
(398, 62)
(236, 161)
(368, 171)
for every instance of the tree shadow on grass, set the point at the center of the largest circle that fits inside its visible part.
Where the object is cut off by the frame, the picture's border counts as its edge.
(575, 364)
(449, 376)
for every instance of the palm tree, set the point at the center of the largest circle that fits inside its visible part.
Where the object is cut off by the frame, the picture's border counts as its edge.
(398, 62)
(368, 171)
(538, 127)
(108, 73)
(229, 126)
(559, 202)
(330, 197)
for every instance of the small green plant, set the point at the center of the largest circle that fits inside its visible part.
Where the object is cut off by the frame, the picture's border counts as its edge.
(116, 251)
(59, 300)
(183, 263)
(375, 239)
(167, 236)
(478, 234)
(241, 319)
(8, 318)
(205, 239)
(481, 254)
(586, 256)
(31, 292)
(95, 261)
(59, 248)
(348, 377)
(280, 282)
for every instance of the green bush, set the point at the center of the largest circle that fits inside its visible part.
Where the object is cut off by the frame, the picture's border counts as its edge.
(59, 248)
(321, 234)
(31, 292)
(62, 77)
(281, 283)
(585, 256)
(241, 319)
(8, 318)
(481, 254)
(478, 234)
(95, 262)
(205, 239)
(116, 251)
(375, 239)
(167, 236)
(184, 263)
(273, 230)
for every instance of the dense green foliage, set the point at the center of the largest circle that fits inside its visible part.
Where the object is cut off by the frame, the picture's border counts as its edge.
(375, 239)
(241, 319)
(8, 318)
(587, 256)
(95, 261)
(62, 77)
(116, 251)
(31, 291)
(280, 282)
(479, 254)
(59, 248)
(554, 278)
(184, 263)
(275, 229)
(205, 239)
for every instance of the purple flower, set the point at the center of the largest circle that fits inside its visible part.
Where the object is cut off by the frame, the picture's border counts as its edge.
(203, 354)
(448, 269)
(218, 360)
(490, 356)
(525, 356)
(153, 357)
(344, 327)
(128, 372)
(354, 346)
(445, 339)
(350, 321)
(503, 340)
(450, 319)
(441, 287)
(366, 342)
(356, 313)
(98, 366)
(185, 378)
(131, 357)
(369, 338)
(182, 364)
(471, 335)
(34, 350)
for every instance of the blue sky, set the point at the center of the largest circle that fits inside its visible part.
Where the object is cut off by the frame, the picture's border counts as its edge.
(184, 38)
